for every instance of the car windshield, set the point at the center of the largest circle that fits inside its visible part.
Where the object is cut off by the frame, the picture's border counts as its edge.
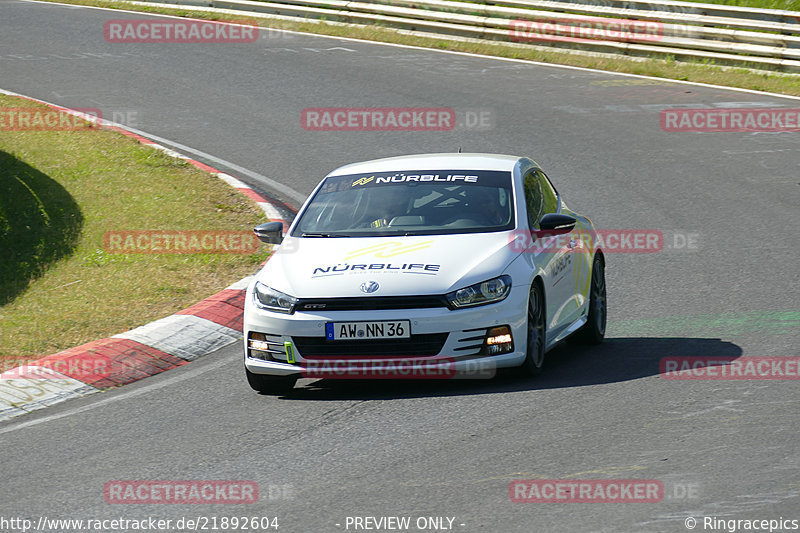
(409, 203)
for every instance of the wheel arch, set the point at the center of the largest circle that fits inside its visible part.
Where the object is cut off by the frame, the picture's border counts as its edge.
(599, 253)
(538, 280)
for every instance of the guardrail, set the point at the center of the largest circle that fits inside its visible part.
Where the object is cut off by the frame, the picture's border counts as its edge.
(729, 35)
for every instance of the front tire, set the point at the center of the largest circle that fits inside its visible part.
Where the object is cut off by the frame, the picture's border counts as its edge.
(534, 358)
(270, 384)
(594, 331)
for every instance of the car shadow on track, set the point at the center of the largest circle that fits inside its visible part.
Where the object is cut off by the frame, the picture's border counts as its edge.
(616, 360)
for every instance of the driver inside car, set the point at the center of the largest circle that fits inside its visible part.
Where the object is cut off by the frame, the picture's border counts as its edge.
(483, 208)
(390, 203)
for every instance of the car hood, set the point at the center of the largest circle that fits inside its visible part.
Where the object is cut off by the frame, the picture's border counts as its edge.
(400, 266)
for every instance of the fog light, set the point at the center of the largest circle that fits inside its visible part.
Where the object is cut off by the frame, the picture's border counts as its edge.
(259, 345)
(499, 341)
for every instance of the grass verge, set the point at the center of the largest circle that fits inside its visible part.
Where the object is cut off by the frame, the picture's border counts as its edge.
(60, 192)
(701, 72)
(787, 5)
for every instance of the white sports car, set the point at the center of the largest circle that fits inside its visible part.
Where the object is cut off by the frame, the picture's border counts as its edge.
(436, 265)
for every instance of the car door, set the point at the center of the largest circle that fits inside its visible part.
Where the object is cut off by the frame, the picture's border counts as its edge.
(552, 254)
(564, 270)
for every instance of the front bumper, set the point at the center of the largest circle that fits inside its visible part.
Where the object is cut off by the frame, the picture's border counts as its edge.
(443, 340)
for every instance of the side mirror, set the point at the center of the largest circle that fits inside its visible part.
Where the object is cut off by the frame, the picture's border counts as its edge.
(270, 232)
(555, 224)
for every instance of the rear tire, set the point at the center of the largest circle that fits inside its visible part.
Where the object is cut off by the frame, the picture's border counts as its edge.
(270, 384)
(594, 331)
(534, 357)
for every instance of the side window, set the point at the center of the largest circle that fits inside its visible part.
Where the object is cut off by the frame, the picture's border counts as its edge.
(533, 198)
(549, 195)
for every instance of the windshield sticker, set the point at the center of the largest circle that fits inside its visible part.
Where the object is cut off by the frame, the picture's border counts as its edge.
(362, 181)
(400, 178)
(485, 178)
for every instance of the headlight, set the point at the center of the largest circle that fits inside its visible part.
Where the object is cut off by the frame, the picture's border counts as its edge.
(268, 298)
(482, 293)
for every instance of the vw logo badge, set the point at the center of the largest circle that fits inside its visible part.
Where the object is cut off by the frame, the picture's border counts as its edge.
(369, 286)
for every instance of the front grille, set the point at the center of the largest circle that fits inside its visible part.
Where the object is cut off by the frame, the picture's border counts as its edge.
(370, 303)
(423, 345)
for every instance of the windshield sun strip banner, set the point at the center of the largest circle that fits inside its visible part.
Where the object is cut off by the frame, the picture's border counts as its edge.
(484, 178)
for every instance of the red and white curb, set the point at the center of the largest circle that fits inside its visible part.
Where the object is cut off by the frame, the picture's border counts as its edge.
(147, 350)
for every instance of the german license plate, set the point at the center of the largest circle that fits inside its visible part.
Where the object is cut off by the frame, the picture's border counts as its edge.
(385, 329)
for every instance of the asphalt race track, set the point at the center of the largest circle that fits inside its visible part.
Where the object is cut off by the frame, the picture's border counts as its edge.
(337, 449)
